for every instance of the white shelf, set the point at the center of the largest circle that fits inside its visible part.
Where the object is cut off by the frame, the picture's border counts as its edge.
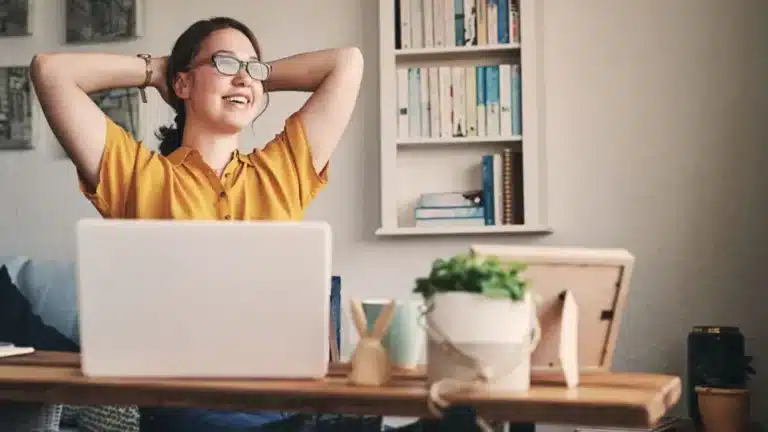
(413, 166)
(467, 230)
(459, 140)
(457, 50)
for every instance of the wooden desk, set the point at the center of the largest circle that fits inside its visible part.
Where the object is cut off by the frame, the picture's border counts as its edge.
(612, 399)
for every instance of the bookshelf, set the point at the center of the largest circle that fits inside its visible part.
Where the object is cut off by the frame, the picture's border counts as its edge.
(460, 155)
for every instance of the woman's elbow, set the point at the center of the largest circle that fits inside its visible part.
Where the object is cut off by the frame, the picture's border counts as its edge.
(352, 56)
(38, 66)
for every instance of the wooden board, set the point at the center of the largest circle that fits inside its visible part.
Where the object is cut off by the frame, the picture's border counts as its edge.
(598, 279)
(611, 399)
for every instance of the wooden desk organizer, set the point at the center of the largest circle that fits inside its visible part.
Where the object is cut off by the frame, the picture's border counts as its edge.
(370, 361)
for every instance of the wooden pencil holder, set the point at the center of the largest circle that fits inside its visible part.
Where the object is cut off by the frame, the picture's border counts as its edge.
(370, 363)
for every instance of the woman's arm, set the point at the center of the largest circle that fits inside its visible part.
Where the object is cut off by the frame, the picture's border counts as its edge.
(62, 82)
(333, 76)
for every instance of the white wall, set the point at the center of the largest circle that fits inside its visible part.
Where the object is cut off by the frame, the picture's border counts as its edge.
(656, 126)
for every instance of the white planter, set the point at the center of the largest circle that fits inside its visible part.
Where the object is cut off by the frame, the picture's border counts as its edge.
(498, 333)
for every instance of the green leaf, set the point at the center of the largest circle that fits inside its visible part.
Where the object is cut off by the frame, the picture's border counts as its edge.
(474, 274)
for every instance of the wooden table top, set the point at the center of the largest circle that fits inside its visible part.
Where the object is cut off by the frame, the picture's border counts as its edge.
(612, 399)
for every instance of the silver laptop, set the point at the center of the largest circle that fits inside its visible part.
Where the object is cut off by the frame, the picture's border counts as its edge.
(204, 298)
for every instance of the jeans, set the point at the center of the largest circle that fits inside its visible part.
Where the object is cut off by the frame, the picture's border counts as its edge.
(199, 420)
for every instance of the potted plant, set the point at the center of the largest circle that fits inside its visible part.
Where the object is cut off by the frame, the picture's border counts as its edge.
(480, 320)
(723, 397)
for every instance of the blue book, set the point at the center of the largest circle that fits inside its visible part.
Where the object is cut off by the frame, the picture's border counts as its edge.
(336, 310)
(504, 21)
(480, 95)
(488, 193)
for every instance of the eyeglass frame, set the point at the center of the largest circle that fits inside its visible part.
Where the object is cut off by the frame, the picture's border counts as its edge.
(241, 64)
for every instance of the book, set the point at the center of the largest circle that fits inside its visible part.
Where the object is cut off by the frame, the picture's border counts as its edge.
(459, 101)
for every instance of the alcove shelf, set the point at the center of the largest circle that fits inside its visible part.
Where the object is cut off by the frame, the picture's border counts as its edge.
(462, 143)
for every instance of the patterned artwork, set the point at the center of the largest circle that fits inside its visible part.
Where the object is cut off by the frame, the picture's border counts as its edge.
(15, 18)
(93, 21)
(122, 106)
(15, 108)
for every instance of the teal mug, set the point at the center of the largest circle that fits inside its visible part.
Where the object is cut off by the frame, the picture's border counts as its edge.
(405, 339)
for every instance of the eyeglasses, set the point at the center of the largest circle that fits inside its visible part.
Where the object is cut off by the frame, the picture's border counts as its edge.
(229, 65)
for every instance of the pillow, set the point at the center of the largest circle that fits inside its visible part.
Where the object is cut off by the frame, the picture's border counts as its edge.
(50, 287)
(20, 326)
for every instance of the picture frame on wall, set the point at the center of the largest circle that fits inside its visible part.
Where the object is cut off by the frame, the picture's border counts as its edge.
(15, 18)
(15, 108)
(122, 106)
(100, 21)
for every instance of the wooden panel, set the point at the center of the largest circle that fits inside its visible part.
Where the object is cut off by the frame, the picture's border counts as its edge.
(594, 289)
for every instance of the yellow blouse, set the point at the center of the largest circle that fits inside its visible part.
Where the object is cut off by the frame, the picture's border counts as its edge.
(275, 183)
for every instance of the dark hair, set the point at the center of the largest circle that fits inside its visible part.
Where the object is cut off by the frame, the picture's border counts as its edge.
(184, 51)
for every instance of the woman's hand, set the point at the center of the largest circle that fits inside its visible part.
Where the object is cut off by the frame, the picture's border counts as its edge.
(159, 66)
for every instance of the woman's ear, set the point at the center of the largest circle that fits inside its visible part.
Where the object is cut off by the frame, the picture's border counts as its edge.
(181, 86)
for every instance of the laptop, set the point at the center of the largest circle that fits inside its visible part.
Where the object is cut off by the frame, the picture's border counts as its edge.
(160, 298)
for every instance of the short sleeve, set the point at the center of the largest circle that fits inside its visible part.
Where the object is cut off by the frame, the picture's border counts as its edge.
(288, 157)
(122, 153)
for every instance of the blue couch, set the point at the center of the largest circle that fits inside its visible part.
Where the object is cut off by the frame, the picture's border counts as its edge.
(49, 287)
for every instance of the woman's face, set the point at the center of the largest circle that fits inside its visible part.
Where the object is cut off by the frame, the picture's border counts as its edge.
(219, 91)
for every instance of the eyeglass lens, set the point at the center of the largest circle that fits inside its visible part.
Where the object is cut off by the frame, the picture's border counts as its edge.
(231, 66)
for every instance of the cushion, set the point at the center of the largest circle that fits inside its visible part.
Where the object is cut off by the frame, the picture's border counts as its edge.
(50, 287)
(21, 326)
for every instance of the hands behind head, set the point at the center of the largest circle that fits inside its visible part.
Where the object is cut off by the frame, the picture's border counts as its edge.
(159, 67)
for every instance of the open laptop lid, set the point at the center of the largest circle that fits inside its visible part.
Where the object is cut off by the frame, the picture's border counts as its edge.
(202, 298)
(597, 281)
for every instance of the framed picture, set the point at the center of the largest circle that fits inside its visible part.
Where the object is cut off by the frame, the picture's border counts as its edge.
(15, 108)
(122, 106)
(98, 21)
(15, 18)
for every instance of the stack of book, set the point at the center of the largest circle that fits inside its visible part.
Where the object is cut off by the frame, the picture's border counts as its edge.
(462, 208)
(493, 204)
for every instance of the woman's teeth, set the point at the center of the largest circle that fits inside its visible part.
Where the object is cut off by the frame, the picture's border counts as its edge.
(236, 99)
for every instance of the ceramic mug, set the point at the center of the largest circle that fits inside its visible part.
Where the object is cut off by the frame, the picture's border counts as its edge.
(405, 339)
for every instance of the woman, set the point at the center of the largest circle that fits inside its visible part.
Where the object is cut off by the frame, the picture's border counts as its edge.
(217, 82)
